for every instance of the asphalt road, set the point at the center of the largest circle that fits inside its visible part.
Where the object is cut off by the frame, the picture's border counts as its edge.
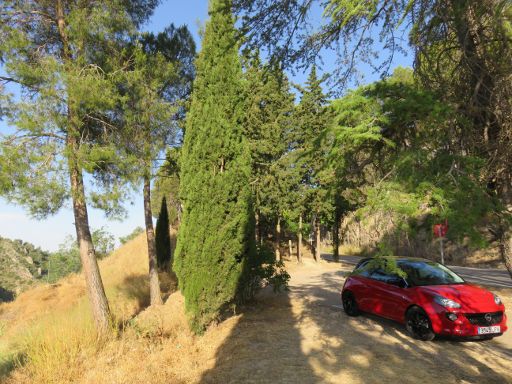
(483, 276)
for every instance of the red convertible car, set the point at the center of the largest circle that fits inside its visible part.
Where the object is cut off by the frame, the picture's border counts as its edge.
(427, 297)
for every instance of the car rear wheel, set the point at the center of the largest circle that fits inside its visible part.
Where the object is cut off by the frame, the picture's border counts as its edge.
(349, 304)
(418, 324)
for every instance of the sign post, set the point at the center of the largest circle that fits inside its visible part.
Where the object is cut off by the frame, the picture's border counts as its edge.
(440, 231)
(442, 251)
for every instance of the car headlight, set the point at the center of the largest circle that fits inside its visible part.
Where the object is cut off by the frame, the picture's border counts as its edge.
(447, 303)
(497, 299)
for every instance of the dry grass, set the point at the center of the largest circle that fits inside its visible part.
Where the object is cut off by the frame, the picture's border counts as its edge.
(289, 338)
(47, 332)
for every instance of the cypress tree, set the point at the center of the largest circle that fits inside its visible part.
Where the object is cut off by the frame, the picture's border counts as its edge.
(215, 241)
(163, 238)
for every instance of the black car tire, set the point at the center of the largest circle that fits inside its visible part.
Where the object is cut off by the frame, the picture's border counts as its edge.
(418, 324)
(349, 304)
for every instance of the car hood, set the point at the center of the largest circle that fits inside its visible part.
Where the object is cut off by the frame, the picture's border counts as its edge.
(472, 298)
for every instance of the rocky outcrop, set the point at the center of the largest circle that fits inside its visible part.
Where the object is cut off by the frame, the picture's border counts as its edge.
(20, 266)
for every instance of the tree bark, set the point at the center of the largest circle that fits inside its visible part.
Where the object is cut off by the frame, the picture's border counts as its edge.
(290, 250)
(93, 281)
(506, 251)
(336, 239)
(278, 239)
(299, 241)
(257, 232)
(97, 297)
(317, 240)
(154, 283)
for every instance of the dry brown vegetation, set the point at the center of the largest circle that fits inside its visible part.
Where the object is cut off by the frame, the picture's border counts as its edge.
(295, 337)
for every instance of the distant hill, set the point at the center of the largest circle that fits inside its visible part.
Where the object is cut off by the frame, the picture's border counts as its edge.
(21, 264)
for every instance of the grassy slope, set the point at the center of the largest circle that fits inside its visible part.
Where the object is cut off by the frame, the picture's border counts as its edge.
(46, 335)
(61, 310)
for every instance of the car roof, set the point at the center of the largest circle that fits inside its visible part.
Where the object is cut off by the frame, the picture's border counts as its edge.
(397, 258)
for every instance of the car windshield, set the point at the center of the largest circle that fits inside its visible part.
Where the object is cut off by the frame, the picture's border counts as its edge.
(428, 273)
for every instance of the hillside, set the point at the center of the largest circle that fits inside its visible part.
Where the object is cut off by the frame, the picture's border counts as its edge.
(46, 336)
(21, 264)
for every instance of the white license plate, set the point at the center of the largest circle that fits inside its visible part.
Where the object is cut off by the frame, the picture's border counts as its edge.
(488, 330)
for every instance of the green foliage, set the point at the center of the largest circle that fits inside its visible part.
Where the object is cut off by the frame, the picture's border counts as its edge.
(68, 90)
(395, 134)
(163, 238)
(104, 242)
(136, 232)
(266, 270)
(167, 185)
(63, 262)
(215, 240)
(268, 121)
(387, 263)
(66, 259)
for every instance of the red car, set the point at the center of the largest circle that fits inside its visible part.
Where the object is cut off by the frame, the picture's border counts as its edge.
(427, 297)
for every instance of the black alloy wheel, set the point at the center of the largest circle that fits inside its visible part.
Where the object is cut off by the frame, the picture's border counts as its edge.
(350, 304)
(418, 324)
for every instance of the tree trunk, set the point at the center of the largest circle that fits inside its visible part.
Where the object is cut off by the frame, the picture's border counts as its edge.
(95, 290)
(278, 239)
(257, 232)
(506, 252)
(290, 250)
(317, 240)
(336, 239)
(299, 241)
(154, 283)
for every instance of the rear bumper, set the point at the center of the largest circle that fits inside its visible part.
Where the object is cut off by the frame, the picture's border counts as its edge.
(461, 327)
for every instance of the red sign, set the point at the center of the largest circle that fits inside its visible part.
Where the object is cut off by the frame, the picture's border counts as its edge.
(440, 230)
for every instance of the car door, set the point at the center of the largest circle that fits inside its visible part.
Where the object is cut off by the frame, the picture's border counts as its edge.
(390, 299)
(378, 292)
(361, 286)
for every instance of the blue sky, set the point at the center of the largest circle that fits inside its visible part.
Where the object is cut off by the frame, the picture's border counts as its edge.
(48, 234)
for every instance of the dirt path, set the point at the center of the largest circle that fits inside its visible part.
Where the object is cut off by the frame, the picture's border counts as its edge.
(304, 337)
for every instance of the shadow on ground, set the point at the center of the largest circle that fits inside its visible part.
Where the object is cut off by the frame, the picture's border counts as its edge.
(7, 364)
(301, 337)
(136, 287)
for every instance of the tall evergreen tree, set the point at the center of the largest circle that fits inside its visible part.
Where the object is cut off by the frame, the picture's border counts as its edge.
(216, 237)
(153, 87)
(269, 106)
(311, 119)
(64, 56)
(163, 238)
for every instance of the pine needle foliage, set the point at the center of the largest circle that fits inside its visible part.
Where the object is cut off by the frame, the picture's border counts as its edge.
(215, 241)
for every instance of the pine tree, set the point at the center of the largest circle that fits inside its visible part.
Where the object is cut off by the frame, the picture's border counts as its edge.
(269, 106)
(163, 238)
(153, 87)
(63, 57)
(215, 240)
(311, 119)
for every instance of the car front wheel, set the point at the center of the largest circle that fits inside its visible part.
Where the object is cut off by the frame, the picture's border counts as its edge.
(349, 304)
(418, 324)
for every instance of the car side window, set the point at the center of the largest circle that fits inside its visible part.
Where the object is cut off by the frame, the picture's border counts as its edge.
(385, 277)
(380, 275)
(362, 269)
